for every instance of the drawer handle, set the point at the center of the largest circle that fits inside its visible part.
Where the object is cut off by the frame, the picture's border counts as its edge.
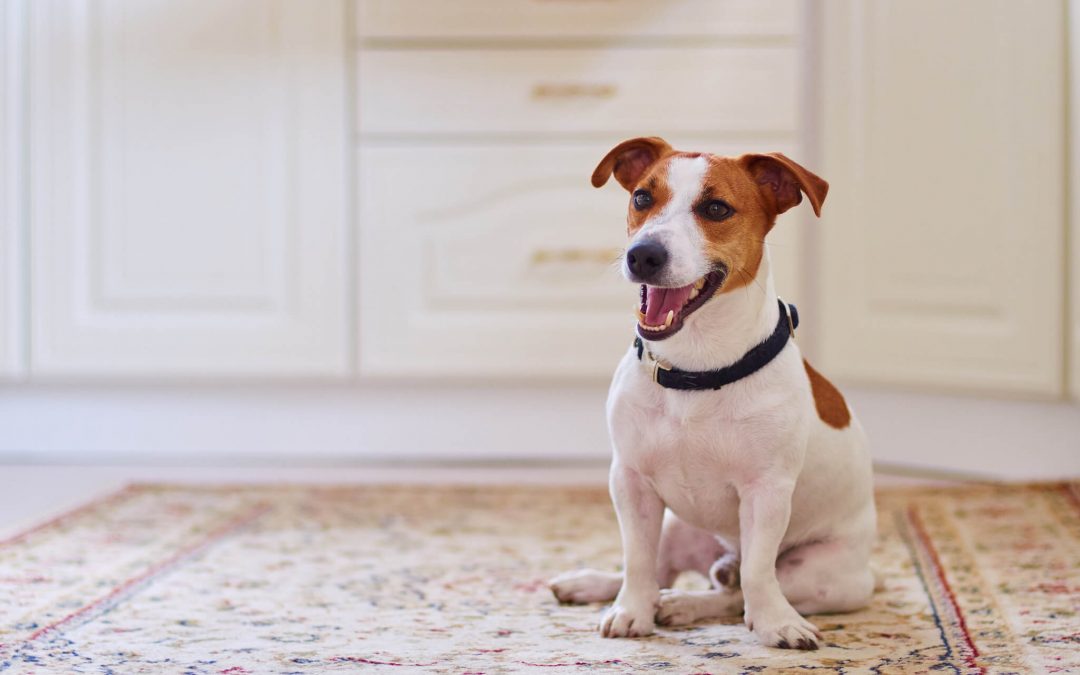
(565, 90)
(601, 256)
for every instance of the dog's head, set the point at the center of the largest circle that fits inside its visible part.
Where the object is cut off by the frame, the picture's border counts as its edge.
(697, 222)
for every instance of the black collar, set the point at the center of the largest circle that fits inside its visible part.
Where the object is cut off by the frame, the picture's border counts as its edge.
(751, 362)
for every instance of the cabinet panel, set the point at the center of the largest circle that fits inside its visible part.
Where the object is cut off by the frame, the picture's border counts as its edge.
(12, 216)
(496, 260)
(188, 209)
(613, 91)
(943, 236)
(1074, 192)
(543, 18)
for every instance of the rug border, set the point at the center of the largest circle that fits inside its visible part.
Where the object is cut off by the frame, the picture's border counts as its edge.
(41, 523)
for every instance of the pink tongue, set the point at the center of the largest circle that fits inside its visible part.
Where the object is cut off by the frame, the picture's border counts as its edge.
(660, 301)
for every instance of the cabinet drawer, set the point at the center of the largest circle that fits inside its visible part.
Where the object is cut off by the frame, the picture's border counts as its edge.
(614, 91)
(574, 18)
(497, 260)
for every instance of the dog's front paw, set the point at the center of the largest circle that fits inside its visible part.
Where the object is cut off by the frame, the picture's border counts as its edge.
(628, 620)
(783, 627)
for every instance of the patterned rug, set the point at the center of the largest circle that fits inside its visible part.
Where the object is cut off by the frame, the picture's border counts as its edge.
(170, 579)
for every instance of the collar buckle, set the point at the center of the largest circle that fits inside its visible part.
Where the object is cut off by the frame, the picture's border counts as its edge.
(657, 365)
(787, 315)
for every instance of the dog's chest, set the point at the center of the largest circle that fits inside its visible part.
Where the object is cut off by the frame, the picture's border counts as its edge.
(695, 448)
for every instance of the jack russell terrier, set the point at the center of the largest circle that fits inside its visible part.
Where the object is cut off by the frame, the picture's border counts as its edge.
(732, 455)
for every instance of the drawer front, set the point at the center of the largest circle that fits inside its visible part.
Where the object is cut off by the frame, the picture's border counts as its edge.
(575, 18)
(488, 261)
(613, 91)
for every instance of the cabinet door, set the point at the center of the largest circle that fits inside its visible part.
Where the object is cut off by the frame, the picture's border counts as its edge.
(1074, 192)
(943, 235)
(12, 145)
(494, 260)
(188, 188)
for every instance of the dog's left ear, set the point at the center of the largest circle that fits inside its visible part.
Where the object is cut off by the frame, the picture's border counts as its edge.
(783, 181)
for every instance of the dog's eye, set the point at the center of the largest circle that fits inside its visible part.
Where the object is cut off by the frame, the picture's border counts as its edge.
(642, 200)
(716, 210)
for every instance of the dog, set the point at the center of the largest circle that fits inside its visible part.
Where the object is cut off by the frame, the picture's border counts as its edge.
(732, 456)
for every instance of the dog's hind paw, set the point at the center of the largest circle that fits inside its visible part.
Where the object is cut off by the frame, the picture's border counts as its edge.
(679, 608)
(581, 587)
(724, 573)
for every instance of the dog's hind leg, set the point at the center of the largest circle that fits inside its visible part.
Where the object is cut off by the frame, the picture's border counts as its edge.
(682, 548)
(826, 577)
(817, 578)
(678, 608)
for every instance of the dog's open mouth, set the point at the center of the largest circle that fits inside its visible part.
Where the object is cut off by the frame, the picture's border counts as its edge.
(663, 310)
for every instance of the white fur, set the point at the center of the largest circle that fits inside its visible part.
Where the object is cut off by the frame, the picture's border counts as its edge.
(750, 466)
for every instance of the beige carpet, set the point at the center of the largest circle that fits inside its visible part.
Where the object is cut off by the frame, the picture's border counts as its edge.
(451, 580)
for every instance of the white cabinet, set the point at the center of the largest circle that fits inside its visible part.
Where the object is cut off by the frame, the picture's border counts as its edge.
(1074, 193)
(188, 202)
(483, 249)
(12, 161)
(482, 260)
(943, 235)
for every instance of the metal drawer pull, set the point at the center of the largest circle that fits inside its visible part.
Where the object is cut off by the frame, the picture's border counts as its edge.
(550, 90)
(603, 256)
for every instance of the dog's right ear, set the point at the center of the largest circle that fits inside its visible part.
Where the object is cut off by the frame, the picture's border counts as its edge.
(630, 160)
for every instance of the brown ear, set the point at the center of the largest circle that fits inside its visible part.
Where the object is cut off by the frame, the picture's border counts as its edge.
(630, 160)
(783, 181)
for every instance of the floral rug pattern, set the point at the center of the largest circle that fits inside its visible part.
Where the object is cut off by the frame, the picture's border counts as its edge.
(296, 579)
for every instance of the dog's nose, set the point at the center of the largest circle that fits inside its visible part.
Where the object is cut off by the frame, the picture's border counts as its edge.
(646, 259)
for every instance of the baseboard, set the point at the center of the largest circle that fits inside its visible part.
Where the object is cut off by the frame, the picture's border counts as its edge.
(315, 425)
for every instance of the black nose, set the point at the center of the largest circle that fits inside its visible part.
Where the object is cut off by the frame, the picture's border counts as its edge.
(646, 259)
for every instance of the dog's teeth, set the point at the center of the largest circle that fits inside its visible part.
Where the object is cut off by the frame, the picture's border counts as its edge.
(693, 293)
(641, 316)
(699, 284)
(670, 318)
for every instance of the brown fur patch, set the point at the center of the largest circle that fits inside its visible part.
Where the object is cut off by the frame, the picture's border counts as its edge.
(830, 404)
(661, 194)
(738, 241)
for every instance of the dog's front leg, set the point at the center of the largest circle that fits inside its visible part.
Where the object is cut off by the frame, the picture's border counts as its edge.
(764, 512)
(641, 513)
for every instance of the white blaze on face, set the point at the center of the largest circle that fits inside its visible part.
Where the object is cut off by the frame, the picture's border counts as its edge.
(675, 226)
